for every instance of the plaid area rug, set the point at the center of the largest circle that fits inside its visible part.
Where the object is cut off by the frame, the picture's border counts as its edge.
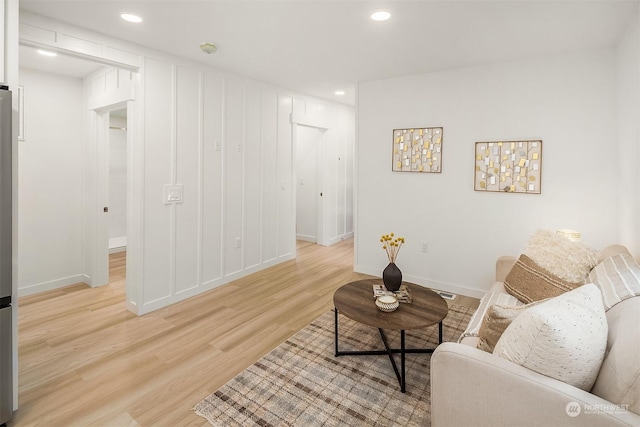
(301, 383)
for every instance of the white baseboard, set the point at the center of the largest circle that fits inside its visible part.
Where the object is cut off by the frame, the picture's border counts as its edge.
(50, 285)
(117, 244)
(306, 238)
(429, 283)
(339, 239)
(164, 301)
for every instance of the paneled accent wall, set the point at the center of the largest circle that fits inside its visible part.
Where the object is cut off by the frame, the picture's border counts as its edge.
(224, 140)
(227, 142)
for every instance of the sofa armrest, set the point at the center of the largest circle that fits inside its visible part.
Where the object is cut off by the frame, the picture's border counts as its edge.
(612, 250)
(473, 387)
(503, 267)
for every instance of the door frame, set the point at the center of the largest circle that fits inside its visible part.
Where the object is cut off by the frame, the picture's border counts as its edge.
(97, 190)
(100, 249)
(320, 192)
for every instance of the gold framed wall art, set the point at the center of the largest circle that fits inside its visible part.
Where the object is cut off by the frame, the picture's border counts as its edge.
(417, 150)
(509, 166)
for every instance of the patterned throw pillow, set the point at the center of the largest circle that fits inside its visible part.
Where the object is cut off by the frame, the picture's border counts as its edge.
(563, 338)
(618, 277)
(570, 261)
(529, 282)
(487, 301)
(496, 321)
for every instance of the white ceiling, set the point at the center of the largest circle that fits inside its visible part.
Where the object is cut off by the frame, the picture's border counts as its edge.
(319, 46)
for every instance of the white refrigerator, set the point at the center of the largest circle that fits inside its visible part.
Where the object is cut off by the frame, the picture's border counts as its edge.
(6, 362)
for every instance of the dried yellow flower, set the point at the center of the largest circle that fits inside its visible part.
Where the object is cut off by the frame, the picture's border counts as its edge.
(391, 245)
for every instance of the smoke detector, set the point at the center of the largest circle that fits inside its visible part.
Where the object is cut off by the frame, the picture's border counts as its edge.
(208, 48)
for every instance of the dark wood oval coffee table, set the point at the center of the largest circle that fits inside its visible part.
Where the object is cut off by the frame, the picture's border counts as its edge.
(355, 301)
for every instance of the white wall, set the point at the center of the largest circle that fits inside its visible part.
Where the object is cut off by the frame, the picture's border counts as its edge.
(50, 180)
(567, 101)
(117, 182)
(628, 108)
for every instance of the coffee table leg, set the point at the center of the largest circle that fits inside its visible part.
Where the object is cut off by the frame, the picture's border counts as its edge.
(440, 332)
(335, 323)
(403, 381)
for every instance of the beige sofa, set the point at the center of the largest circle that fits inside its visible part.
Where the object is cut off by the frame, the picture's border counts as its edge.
(470, 387)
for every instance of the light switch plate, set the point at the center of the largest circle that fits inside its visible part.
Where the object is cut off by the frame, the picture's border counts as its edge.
(172, 194)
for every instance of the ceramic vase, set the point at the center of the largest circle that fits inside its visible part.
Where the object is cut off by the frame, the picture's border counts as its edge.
(392, 277)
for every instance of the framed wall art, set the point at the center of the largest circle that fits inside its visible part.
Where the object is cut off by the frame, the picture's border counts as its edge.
(417, 150)
(509, 166)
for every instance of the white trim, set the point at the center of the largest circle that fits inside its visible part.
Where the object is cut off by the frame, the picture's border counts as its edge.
(100, 232)
(200, 182)
(207, 286)
(306, 238)
(21, 113)
(117, 242)
(426, 282)
(53, 284)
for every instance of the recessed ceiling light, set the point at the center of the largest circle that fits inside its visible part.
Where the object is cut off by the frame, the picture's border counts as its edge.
(339, 92)
(131, 18)
(380, 15)
(47, 52)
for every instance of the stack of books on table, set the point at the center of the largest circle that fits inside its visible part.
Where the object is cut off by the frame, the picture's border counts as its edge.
(402, 294)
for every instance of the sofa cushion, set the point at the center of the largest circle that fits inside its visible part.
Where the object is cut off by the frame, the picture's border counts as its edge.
(619, 377)
(570, 261)
(618, 277)
(564, 338)
(530, 282)
(497, 319)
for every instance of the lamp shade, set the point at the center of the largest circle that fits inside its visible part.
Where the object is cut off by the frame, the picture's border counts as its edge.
(572, 235)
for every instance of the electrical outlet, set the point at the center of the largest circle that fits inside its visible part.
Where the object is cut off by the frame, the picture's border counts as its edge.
(238, 242)
(424, 247)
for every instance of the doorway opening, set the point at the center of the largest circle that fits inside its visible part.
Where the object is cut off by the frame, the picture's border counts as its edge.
(117, 202)
(102, 97)
(309, 188)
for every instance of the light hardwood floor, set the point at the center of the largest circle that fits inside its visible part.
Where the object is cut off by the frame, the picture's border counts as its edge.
(85, 360)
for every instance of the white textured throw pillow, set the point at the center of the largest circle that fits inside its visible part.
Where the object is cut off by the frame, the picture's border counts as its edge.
(564, 338)
(570, 261)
